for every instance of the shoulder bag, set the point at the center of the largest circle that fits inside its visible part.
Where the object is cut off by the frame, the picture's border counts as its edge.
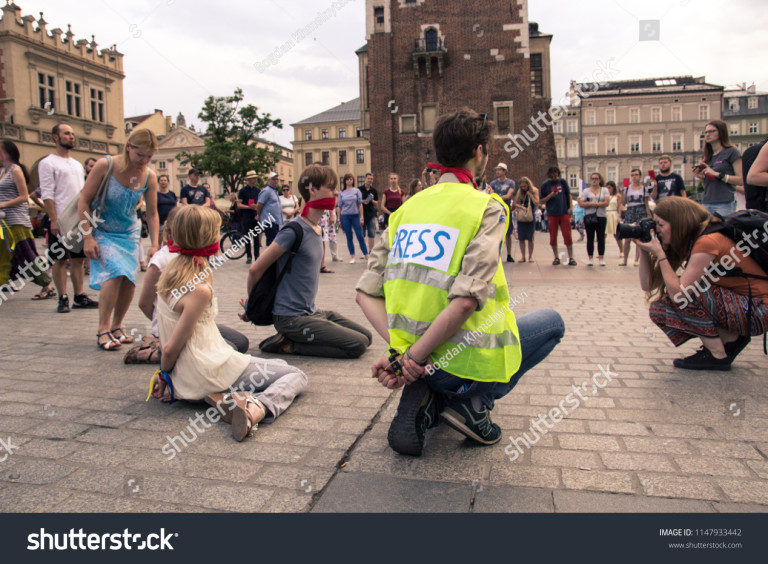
(591, 218)
(69, 219)
(525, 213)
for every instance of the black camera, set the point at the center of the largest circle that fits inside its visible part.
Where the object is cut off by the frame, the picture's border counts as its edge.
(641, 230)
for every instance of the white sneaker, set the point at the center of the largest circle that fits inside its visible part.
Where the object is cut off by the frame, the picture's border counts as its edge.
(602, 262)
(590, 262)
(352, 261)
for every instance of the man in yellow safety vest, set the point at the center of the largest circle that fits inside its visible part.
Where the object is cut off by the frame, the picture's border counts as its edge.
(435, 290)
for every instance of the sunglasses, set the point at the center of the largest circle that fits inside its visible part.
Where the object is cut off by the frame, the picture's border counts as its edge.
(710, 131)
(485, 119)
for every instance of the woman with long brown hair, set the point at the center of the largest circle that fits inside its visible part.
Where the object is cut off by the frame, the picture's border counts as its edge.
(113, 246)
(18, 252)
(720, 170)
(526, 201)
(716, 309)
(413, 188)
(350, 210)
(595, 200)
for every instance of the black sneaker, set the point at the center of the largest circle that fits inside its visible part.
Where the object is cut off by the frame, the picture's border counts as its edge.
(63, 304)
(510, 259)
(417, 412)
(274, 344)
(703, 360)
(82, 301)
(733, 349)
(477, 425)
(248, 260)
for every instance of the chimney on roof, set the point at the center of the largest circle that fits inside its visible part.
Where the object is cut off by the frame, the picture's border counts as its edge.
(751, 88)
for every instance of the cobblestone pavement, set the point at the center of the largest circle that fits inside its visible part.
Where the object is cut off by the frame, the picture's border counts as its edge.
(653, 439)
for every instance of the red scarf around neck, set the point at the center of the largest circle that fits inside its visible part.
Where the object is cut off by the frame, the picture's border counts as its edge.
(464, 175)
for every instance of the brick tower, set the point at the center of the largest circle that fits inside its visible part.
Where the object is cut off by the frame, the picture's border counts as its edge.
(426, 58)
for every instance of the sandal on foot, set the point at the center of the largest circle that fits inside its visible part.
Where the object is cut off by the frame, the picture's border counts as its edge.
(44, 295)
(123, 338)
(522, 259)
(223, 405)
(243, 418)
(111, 345)
(571, 262)
(144, 353)
(556, 262)
(326, 270)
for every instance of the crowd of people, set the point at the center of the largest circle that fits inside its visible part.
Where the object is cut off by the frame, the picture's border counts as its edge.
(438, 298)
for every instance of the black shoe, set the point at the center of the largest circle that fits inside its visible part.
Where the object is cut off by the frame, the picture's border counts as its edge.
(82, 301)
(248, 261)
(703, 360)
(733, 349)
(510, 259)
(417, 412)
(63, 305)
(274, 344)
(477, 425)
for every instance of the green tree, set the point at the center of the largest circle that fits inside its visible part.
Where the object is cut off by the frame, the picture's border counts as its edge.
(230, 141)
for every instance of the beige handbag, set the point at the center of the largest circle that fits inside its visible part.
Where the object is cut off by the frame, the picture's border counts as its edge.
(525, 214)
(69, 219)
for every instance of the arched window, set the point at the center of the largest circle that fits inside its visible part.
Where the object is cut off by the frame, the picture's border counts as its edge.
(431, 39)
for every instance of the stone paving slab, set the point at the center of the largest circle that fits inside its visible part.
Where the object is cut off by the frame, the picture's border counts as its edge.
(653, 438)
(367, 493)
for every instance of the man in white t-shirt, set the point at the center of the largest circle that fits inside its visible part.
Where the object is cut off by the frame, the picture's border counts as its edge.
(61, 180)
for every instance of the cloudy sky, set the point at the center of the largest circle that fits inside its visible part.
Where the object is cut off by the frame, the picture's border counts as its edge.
(178, 52)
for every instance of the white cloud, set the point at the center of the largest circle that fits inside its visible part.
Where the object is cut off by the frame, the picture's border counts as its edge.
(212, 47)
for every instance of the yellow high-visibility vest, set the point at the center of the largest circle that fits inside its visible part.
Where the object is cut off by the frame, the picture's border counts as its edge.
(428, 236)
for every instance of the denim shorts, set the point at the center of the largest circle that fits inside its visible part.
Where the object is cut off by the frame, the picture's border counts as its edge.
(369, 228)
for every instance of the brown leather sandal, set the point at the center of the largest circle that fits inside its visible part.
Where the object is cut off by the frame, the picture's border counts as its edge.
(243, 418)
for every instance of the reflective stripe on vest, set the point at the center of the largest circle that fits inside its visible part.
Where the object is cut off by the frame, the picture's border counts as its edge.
(428, 238)
(476, 338)
(434, 278)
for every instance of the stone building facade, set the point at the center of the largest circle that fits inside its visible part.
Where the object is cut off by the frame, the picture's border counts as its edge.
(745, 110)
(629, 123)
(46, 78)
(333, 137)
(426, 58)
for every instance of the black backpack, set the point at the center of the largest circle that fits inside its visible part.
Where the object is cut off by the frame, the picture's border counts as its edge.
(755, 195)
(748, 229)
(751, 228)
(261, 300)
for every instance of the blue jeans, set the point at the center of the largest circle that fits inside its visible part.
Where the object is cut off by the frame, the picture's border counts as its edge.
(540, 331)
(722, 208)
(348, 223)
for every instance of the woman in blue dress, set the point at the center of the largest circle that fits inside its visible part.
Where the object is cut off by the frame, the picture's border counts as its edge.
(113, 245)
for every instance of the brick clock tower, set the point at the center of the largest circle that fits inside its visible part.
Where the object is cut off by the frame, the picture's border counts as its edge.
(426, 58)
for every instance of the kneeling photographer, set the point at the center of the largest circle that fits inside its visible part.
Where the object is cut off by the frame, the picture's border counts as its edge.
(721, 294)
